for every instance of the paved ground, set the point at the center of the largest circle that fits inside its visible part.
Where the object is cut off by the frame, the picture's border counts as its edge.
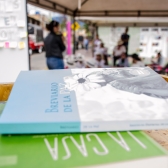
(38, 61)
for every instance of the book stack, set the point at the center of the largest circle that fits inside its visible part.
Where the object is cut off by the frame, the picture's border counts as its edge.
(84, 118)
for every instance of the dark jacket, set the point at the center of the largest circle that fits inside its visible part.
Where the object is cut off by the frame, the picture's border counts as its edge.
(54, 45)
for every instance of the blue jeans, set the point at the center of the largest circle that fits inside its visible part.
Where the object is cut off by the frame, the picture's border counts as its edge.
(86, 46)
(55, 63)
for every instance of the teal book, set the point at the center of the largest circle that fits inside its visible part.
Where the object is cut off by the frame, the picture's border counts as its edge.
(84, 150)
(86, 100)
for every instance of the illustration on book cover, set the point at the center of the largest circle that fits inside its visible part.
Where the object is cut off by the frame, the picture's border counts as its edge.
(131, 91)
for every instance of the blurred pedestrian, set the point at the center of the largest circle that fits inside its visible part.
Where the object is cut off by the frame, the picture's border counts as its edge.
(136, 61)
(159, 59)
(103, 51)
(76, 43)
(80, 61)
(118, 51)
(123, 61)
(86, 43)
(125, 38)
(97, 43)
(99, 61)
(54, 46)
(157, 63)
(80, 40)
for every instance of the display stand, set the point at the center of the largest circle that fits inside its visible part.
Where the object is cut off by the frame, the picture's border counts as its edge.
(14, 55)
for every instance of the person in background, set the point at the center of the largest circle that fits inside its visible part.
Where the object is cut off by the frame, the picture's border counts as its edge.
(80, 61)
(165, 69)
(125, 38)
(123, 61)
(103, 51)
(86, 43)
(54, 46)
(80, 40)
(157, 63)
(136, 61)
(70, 64)
(99, 61)
(97, 43)
(159, 59)
(90, 63)
(76, 43)
(118, 51)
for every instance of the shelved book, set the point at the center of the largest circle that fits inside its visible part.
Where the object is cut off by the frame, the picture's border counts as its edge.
(86, 100)
(85, 150)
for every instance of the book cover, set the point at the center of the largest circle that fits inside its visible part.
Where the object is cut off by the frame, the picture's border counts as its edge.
(2, 106)
(86, 100)
(93, 150)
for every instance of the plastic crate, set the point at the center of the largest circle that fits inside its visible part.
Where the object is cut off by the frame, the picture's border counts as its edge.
(5, 90)
(165, 77)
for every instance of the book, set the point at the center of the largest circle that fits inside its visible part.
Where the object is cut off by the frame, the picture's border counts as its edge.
(86, 100)
(86, 150)
(2, 106)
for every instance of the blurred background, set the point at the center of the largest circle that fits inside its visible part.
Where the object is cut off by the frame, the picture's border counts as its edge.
(147, 30)
(97, 33)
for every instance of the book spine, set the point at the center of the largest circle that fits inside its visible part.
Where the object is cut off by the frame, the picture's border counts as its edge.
(31, 128)
(65, 127)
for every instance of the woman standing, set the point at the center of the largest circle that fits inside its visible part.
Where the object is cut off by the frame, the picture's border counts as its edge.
(54, 46)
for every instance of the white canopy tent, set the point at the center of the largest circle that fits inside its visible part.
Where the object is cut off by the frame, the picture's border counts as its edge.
(129, 21)
(131, 13)
(108, 8)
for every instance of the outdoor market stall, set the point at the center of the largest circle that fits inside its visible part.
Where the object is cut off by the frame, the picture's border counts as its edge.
(138, 13)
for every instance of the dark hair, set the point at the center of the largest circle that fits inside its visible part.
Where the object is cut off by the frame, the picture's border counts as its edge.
(136, 57)
(124, 54)
(126, 29)
(102, 44)
(51, 25)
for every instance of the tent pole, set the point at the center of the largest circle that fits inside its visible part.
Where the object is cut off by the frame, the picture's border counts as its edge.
(97, 30)
(93, 38)
(74, 36)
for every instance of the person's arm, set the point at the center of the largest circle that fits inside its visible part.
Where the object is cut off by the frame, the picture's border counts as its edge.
(96, 64)
(128, 38)
(114, 51)
(122, 38)
(62, 45)
(63, 39)
(127, 63)
(102, 64)
(123, 49)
